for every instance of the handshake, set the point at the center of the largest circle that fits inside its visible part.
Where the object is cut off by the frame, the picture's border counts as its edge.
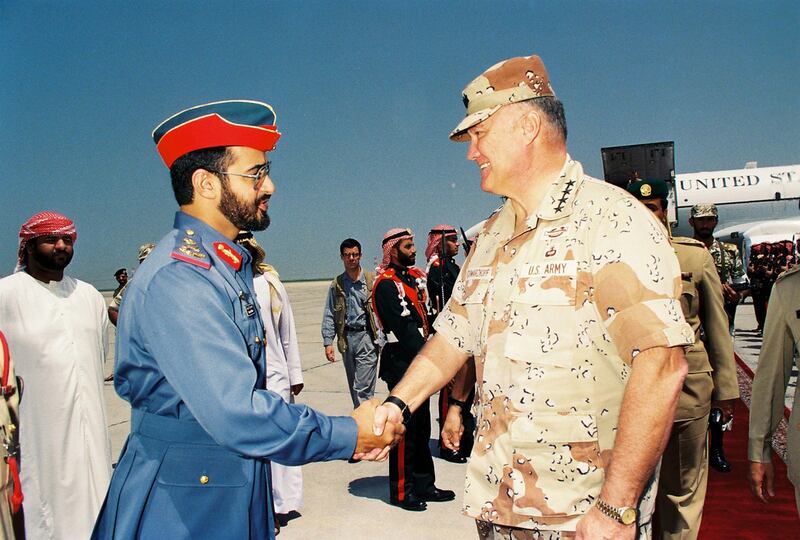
(380, 428)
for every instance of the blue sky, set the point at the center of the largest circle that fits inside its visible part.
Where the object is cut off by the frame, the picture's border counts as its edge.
(365, 94)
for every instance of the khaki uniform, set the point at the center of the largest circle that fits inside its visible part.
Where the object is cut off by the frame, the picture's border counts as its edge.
(554, 317)
(781, 342)
(712, 375)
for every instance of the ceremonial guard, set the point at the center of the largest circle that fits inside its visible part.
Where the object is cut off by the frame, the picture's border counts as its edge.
(190, 351)
(712, 376)
(399, 299)
(778, 354)
(442, 273)
(10, 485)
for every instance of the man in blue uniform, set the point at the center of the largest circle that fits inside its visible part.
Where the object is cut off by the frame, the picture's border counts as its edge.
(190, 351)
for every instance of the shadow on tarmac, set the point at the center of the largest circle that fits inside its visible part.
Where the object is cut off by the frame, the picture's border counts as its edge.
(370, 487)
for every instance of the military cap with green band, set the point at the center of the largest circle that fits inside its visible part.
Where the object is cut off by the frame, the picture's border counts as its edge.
(649, 189)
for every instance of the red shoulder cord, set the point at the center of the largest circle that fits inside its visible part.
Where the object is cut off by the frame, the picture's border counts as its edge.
(16, 496)
(4, 387)
(409, 291)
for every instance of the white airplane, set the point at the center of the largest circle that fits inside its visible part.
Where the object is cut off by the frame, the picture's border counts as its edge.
(755, 204)
(746, 199)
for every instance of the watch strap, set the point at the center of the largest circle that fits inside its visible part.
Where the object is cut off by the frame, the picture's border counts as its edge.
(617, 513)
(400, 405)
(453, 401)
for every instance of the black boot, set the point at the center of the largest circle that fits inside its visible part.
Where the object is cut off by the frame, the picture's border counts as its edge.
(716, 454)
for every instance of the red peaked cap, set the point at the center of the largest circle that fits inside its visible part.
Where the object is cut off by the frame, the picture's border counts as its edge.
(222, 123)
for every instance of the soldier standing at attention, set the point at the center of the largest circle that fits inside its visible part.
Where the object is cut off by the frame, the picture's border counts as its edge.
(704, 219)
(399, 300)
(121, 276)
(778, 353)
(348, 318)
(116, 299)
(442, 273)
(191, 352)
(569, 302)
(712, 376)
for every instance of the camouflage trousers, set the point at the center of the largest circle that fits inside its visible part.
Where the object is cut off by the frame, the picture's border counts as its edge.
(489, 531)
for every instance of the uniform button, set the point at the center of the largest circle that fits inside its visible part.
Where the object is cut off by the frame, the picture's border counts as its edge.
(258, 339)
(190, 232)
(204, 479)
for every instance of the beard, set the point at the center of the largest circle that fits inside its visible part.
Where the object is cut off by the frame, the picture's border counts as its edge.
(52, 261)
(243, 215)
(406, 260)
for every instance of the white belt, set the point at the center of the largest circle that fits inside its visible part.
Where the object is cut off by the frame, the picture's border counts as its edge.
(391, 338)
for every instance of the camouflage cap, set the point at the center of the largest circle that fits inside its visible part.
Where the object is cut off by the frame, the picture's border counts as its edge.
(510, 81)
(648, 189)
(144, 251)
(704, 210)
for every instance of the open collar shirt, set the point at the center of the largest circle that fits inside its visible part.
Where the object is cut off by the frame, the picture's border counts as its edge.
(555, 316)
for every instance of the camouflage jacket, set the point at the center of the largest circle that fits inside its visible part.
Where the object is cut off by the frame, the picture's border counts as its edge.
(554, 317)
(728, 262)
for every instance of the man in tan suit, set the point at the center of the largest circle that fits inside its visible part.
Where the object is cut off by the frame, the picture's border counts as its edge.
(712, 376)
(781, 340)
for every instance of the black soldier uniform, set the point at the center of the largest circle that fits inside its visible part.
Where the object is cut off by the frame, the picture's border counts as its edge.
(441, 279)
(400, 303)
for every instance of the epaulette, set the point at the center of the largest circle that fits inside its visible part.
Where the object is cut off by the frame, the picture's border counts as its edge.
(686, 241)
(793, 270)
(190, 250)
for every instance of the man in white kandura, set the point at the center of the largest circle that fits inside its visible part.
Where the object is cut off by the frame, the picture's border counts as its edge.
(56, 327)
(284, 370)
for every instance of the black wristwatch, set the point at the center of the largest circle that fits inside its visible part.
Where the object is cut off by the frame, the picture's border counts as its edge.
(453, 401)
(402, 406)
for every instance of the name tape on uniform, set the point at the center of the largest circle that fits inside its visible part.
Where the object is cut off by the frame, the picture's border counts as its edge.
(550, 268)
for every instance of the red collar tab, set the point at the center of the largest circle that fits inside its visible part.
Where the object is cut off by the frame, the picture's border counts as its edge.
(229, 255)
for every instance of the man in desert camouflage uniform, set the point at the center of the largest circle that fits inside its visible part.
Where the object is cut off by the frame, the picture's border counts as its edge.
(569, 303)
(712, 375)
(704, 219)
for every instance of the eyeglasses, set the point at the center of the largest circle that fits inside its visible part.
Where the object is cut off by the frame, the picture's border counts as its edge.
(257, 178)
(351, 255)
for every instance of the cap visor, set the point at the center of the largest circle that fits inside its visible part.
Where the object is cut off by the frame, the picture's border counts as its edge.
(460, 133)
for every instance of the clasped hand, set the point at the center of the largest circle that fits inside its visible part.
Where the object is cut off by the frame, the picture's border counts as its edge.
(378, 431)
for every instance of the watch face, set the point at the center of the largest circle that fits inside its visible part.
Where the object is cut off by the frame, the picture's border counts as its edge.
(628, 516)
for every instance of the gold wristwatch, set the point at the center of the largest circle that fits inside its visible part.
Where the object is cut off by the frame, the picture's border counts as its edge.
(624, 514)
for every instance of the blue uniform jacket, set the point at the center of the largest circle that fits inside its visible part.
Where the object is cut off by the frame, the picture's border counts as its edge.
(191, 362)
